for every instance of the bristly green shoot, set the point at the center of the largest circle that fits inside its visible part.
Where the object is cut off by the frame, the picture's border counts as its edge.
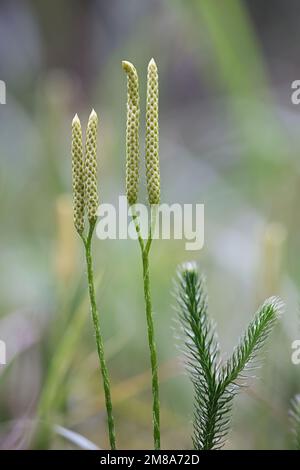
(295, 416)
(215, 385)
(153, 187)
(85, 196)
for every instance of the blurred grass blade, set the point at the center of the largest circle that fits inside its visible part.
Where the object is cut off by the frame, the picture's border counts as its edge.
(77, 439)
(240, 68)
(62, 358)
(295, 415)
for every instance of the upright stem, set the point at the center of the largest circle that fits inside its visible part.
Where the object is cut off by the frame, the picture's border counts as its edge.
(99, 340)
(153, 353)
(150, 326)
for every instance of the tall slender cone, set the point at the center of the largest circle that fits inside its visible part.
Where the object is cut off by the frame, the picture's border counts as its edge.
(78, 175)
(132, 133)
(91, 191)
(152, 134)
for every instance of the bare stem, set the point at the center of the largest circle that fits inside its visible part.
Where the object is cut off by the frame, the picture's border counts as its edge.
(99, 340)
(145, 248)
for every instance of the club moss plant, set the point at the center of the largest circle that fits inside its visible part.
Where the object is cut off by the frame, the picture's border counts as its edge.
(153, 189)
(216, 383)
(85, 201)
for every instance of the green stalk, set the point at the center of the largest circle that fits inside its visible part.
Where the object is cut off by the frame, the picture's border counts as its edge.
(99, 341)
(145, 249)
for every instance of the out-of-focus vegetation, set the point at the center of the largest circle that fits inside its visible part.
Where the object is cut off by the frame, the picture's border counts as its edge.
(229, 139)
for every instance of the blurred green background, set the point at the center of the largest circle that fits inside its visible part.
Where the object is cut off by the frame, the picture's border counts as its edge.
(229, 138)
